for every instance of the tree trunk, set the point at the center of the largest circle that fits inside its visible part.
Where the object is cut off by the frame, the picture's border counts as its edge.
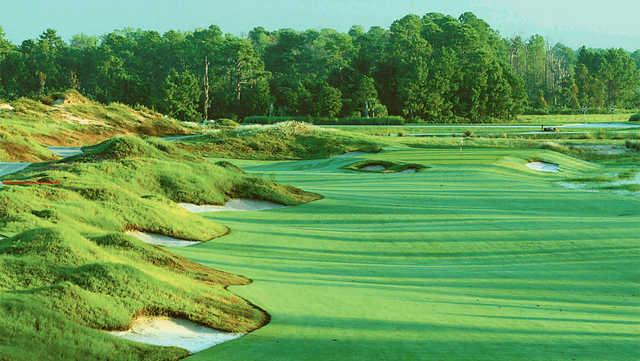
(206, 88)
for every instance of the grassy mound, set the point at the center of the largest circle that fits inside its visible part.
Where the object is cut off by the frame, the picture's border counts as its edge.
(67, 269)
(65, 98)
(222, 123)
(288, 140)
(72, 121)
(383, 166)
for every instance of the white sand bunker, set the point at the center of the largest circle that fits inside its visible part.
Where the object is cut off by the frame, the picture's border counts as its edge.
(160, 240)
(234, 205)
(373, 168)
(409, 171)
(7, 106)
(8, 168)
(66, 152)
(544, 167)
(164, 331)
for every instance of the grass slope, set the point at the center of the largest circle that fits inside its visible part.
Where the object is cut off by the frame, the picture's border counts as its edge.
(288, 140)
(75, 122)
(477, 259)
(67, 269)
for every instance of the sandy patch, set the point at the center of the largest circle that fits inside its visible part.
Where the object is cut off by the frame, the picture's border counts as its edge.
(234, 205)
(544, 167)
(12, 167)
(409, 171)
(6, 106)
(374, 168)
(164, 331)
(65, 152)
(79, 120)
(160, 240)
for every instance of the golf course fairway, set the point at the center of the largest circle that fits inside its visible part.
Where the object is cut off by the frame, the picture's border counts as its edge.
(475, 258)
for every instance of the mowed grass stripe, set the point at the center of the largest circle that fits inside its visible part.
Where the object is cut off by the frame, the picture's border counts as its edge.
(471, 260)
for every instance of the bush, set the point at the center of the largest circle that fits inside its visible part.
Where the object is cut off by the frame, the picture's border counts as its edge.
(635, 118)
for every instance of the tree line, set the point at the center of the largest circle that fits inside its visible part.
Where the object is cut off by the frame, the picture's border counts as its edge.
(434, 68)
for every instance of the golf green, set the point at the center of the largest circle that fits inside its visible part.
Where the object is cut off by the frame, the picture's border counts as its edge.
(476, 258)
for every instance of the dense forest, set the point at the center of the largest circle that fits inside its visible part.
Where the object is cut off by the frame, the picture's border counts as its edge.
(433, 68)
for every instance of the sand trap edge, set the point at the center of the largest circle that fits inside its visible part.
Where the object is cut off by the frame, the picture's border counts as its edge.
(167, 331)
(161, 240)
(234, 205)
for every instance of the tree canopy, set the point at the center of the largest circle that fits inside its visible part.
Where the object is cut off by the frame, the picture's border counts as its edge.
(433, 67)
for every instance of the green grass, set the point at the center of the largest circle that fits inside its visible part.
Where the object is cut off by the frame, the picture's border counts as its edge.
(478, 258)
(497, 131)
(67, 269)
(573, 118)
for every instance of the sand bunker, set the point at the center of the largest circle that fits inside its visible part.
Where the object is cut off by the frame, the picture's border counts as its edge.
(409, 171)
(6, 106)
(544, 167)
(163, 331)
(8, 168)
(374, 168)
(160, 240)
(234, 205)
(65, 152)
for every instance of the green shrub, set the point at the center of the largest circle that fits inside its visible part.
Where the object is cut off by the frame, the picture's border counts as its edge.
(635, 118)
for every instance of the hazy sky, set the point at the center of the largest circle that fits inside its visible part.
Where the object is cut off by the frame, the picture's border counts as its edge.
(574, 22)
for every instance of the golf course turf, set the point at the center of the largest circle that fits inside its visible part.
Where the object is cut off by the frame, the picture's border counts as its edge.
(68, 272)
(473, 256)
(480, 258)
